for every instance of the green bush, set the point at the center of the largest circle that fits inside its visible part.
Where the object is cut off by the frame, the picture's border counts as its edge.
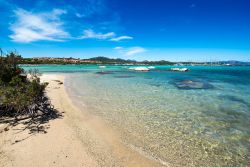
(18, 95)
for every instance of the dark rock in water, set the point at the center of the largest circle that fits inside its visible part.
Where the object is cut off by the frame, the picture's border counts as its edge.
(155, 84)
(105, 72)
(124, 76)
(189, 84)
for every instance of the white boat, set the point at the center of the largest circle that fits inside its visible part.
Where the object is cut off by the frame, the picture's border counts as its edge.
(184, 69)
(180, 69)
(151, 67)
(139, 68)
(102, 66)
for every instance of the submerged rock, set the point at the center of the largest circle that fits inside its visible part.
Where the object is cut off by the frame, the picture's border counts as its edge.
(105, 72)
(190, 84)
(124, 76)
(156, 85)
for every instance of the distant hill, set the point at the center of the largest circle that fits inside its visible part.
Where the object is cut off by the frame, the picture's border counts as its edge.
(94, 60)
(106, 60)
(110, 60)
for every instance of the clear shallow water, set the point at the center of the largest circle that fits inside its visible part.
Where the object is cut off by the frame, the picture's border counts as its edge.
(161, 114)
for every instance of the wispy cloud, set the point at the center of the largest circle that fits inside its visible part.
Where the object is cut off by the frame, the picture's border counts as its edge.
(79, 15)
(130, 51)
(90, 34)
(118, 48)
(135, 50)
(121, 38)
(30, 27)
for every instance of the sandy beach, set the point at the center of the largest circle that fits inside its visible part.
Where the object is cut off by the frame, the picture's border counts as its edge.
(76, 138)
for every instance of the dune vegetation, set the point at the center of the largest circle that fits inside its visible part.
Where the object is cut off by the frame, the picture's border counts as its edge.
(21, 94)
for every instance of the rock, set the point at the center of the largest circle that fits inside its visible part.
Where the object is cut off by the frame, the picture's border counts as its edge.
(124, 76)
(105, 72)
(189, 84)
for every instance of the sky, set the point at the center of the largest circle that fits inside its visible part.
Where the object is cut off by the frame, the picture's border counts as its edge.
(174, 30)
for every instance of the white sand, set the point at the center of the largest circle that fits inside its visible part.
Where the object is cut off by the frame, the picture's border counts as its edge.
(76, 139)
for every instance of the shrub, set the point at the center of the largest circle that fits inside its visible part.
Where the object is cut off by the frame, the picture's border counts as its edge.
(20, 96)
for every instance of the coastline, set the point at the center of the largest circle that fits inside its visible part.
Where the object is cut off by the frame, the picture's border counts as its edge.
(77, 139)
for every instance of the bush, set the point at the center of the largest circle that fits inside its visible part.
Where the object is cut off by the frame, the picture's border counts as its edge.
(19, 95)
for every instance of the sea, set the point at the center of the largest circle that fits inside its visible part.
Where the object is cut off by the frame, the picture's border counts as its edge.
(195, 118)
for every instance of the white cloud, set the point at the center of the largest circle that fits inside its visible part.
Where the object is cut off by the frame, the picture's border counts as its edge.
(30, 27)
(118, 48)
(48, 26)
(88, 34)
(56, 12)
(130, 51)
(134, 50)
(80, 15)
(91, 34)
(121, 38)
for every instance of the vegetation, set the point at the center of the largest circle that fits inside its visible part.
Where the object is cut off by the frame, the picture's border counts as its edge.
(105, 60)
(40, 61)
(161, 62)
(20, 96)
(94, 60)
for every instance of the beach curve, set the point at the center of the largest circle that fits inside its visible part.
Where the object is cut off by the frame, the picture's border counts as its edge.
(77, 139)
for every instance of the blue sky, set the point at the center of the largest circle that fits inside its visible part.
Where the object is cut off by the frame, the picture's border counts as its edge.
(175, 30)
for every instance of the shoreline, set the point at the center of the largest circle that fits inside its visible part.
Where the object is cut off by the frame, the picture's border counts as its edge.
(78, 138)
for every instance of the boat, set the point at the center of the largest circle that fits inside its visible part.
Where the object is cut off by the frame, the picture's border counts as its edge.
(151, 67)
(180, 69)
(102, 66)
(139, 68)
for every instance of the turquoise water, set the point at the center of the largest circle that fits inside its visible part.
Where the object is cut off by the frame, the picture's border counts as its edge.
(197, 118)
